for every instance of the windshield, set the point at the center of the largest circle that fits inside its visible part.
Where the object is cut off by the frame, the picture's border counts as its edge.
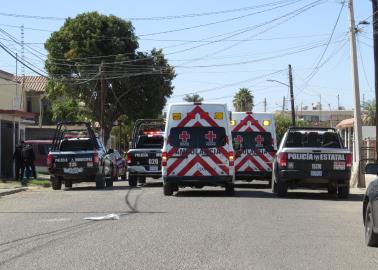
(76, 145)
(252, 140)
(148, 141)
(197, 137)
(313, 139)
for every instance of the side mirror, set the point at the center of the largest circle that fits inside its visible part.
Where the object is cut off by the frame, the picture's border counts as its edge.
(371, 168)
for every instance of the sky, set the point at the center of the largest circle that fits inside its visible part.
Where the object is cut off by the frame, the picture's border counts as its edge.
(218, 47)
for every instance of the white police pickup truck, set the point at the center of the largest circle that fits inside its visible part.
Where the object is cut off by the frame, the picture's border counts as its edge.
(312, 158)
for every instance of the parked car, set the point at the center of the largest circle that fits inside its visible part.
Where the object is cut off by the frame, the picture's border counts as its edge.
(370, 208)
(116, 164)
(41, 149)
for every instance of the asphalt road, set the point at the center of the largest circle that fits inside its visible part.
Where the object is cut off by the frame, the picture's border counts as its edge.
(196, 229)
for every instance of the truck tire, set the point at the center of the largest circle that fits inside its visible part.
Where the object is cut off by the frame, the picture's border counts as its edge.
(371, 238)
(142, 179)
(167, 189)
(67, 183)
(343, 192)
(109, 182)
(100, 181)
(133, 181)
(230, 189)
(281, 189)
(56, 182)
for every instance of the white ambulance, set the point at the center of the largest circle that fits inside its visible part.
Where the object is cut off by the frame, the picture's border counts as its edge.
(197, 148)
(254, 141)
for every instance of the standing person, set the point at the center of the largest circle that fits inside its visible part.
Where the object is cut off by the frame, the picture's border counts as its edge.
(18, 162)
(29, 158)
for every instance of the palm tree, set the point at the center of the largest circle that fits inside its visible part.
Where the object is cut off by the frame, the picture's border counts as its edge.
(193, 98)
(243, 100)
(369, 113)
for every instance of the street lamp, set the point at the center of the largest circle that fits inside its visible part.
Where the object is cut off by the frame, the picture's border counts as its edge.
(291, 94)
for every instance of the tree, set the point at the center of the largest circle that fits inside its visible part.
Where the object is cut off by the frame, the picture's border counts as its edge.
(93, 50)
(243, 100)
(369, 114)
(283, 123)
(193, 98)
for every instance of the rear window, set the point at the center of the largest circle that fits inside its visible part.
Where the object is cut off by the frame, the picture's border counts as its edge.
(43, 149)
(76, 145)
(252, 140)
(197, 137)
(313, 139)
(146, 141)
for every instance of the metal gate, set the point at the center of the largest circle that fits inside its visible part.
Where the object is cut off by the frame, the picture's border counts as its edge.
(6, 149)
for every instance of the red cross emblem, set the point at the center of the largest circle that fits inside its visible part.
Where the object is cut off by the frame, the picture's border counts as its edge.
(239, 139)
(259, 140)
(184, 136)
(210, 136)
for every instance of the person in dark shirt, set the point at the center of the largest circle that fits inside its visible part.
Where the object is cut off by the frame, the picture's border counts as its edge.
(19, 162)
(29, 158)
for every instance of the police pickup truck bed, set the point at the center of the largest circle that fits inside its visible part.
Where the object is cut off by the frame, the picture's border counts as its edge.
(312, 158)
(144, 156)
(76, 155)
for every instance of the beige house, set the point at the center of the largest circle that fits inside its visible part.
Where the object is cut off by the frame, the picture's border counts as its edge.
(20, 105)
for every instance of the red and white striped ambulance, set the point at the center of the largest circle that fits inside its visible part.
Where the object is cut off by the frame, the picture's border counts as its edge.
(254, 141)
(197, 148)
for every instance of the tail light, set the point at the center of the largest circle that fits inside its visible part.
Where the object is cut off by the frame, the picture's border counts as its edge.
(348, 159)
(129, 160)
(164, 159)
(50, 160)
(231, 158)
(282, 159)
(95, 159)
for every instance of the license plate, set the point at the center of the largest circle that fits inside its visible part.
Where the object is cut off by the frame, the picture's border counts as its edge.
(153, 161)
(316, 173)
(339, 165)
(72, 170)
(154, 168)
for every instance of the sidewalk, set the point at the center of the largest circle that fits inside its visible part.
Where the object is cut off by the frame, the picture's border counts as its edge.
(10, 187)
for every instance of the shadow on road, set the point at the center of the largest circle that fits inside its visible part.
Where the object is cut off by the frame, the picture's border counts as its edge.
(95, 189)
(321, 196)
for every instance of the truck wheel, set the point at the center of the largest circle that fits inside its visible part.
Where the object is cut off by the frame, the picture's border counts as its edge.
(142, 180)
(371, 238)
(56, 182)
(68, 183)
(281, 189)
(100, 181)
(168, 189)
(133, 181)
(343, 192)
(230, 190)
(109, 182)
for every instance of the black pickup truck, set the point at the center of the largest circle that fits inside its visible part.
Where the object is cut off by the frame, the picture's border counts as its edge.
(77, 155)
(144, 155)
(312, 158)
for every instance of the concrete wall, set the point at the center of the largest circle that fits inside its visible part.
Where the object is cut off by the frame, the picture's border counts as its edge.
(7, 93)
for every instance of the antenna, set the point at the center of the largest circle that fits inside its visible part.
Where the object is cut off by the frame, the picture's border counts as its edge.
(22, 50)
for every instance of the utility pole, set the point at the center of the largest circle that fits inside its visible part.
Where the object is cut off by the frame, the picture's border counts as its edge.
(357, 104)
(283, 105)
(375, 46)
(291, 96)
(264, 104)
(102, 97)
(338, 102)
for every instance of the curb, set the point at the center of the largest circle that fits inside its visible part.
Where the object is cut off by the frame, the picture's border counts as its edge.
(12, 191)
